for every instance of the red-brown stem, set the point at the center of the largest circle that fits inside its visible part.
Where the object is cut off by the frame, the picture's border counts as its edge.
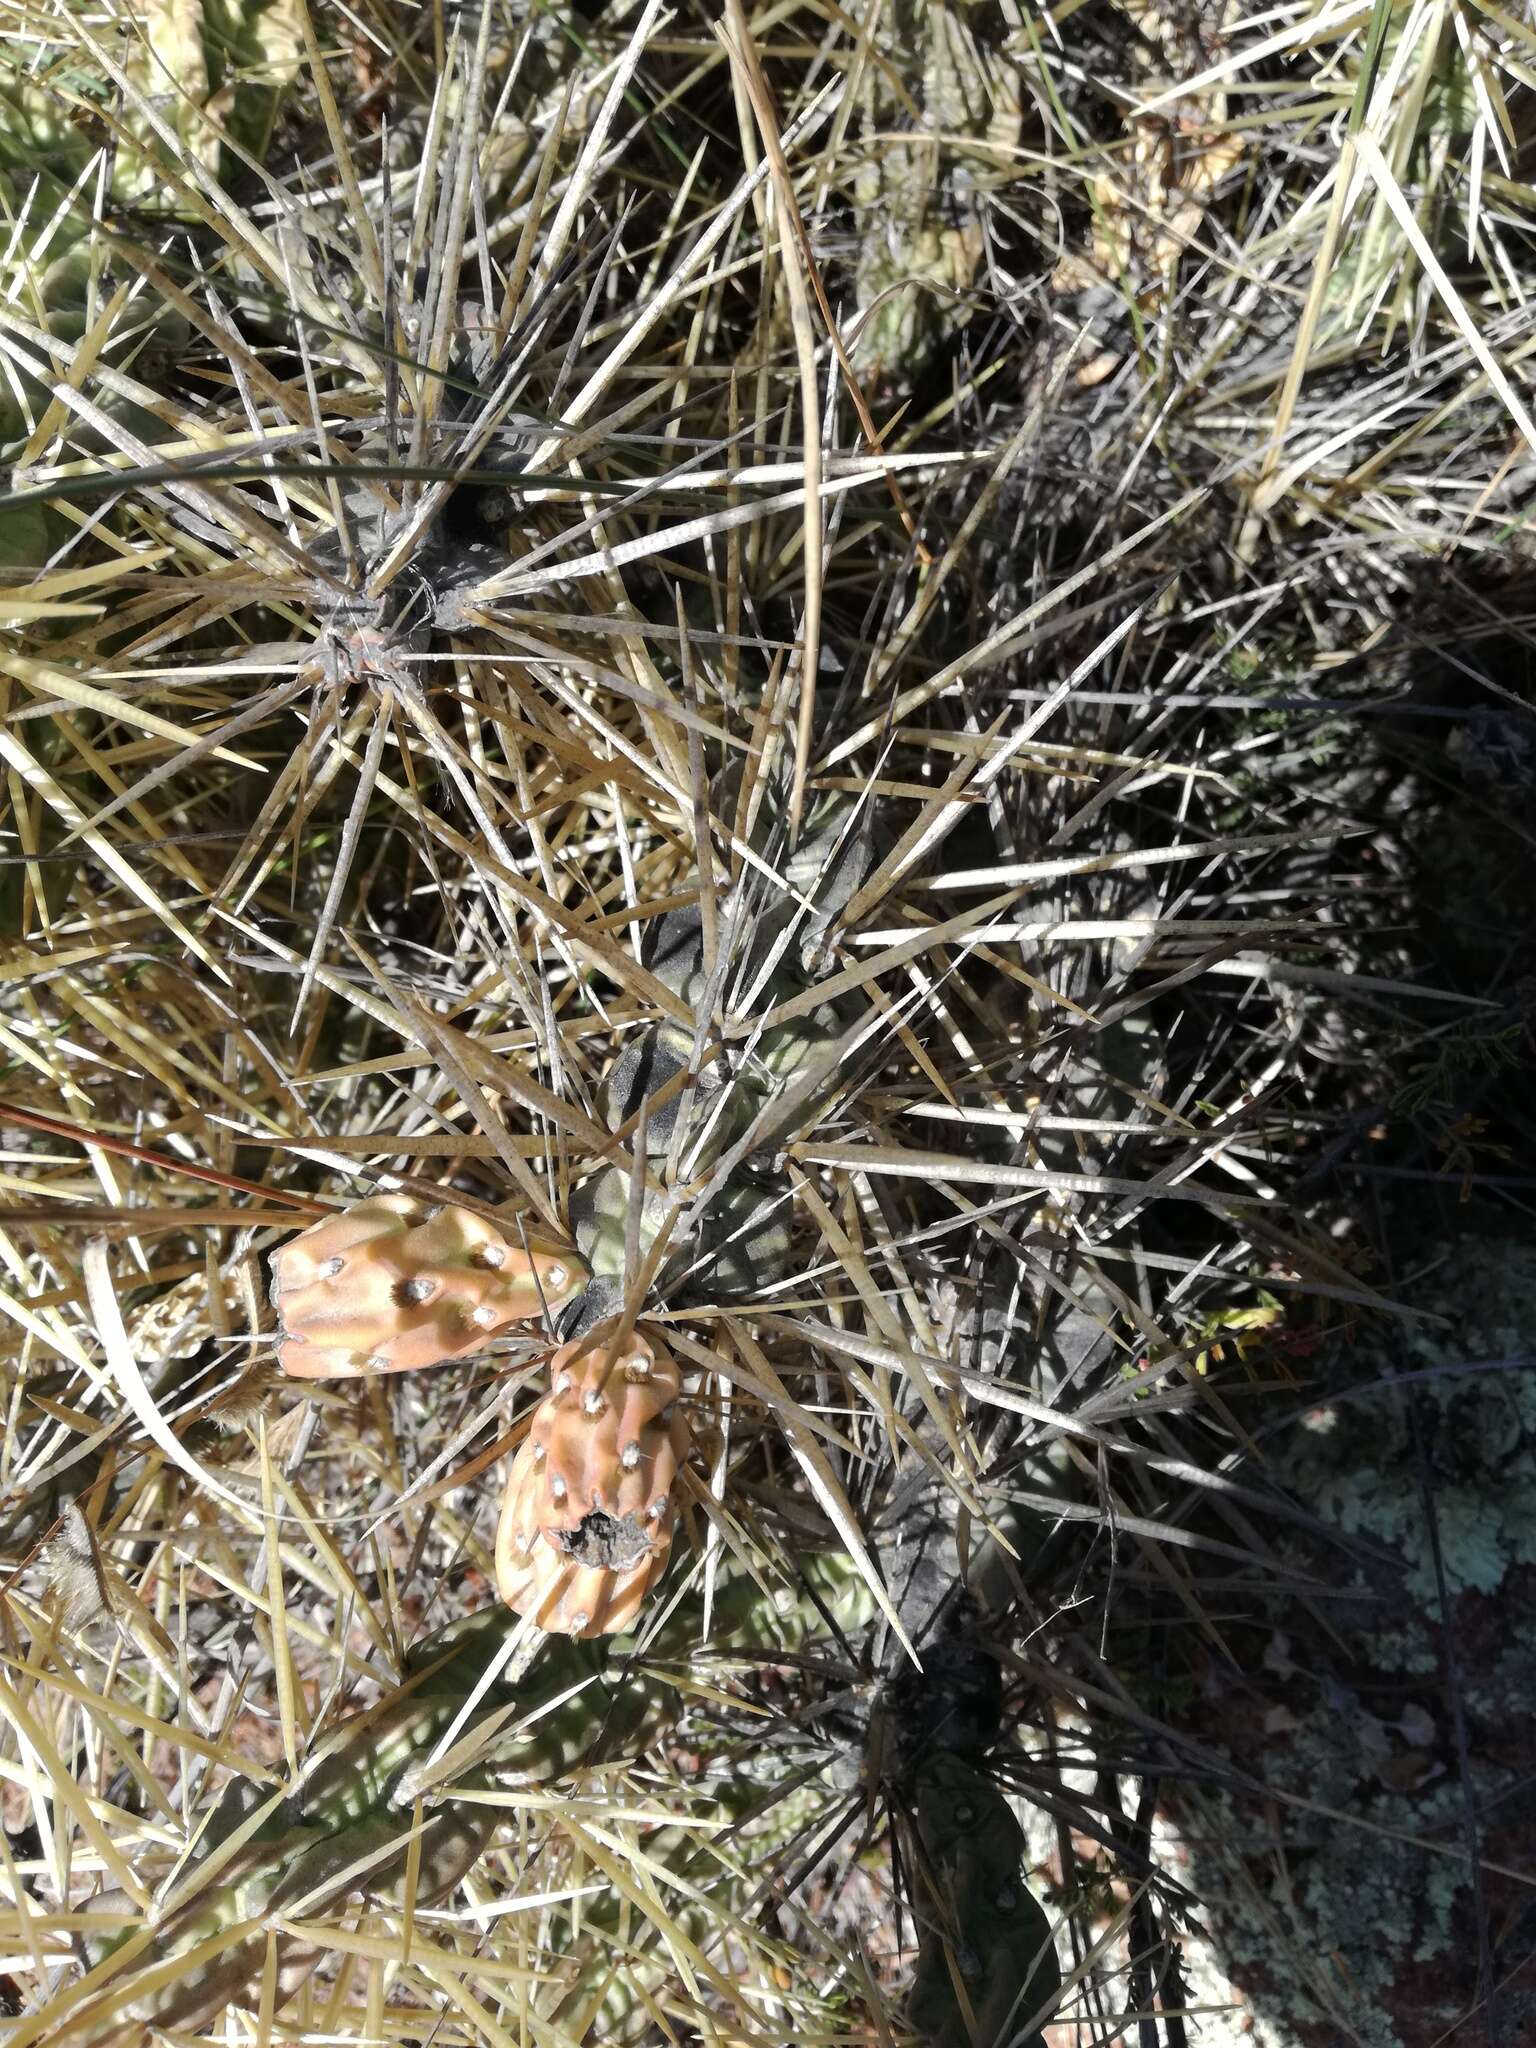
(125, 1150)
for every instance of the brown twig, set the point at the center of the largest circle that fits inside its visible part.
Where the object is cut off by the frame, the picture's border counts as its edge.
(124, 1149)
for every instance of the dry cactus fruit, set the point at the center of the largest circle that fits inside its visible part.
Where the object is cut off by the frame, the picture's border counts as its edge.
(393, 1283)
(587, 1522)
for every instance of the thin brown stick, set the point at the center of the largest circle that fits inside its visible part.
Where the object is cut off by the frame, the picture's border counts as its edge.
(125, 1150)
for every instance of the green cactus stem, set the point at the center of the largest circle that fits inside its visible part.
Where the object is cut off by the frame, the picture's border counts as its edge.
(370, 1789)
(987, 1962)
(738, 1241)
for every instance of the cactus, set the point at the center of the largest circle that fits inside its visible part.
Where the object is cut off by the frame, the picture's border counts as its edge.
(921, 202)
(737, 1239)
(587, 1524)
(192, 61)
(197, 71)
(986, 1961)
(347, 1829)
(392, 1283)
(987, 1964)
(619, 1970)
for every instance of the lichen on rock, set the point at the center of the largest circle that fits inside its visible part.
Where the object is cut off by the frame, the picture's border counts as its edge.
(1340, 1899)
(1353, 1458)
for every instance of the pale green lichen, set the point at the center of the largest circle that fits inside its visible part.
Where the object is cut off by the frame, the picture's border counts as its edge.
(1339, 1913)
(1513, 1675)
(1354, 1460)
(1326, 1900)
(1409, 1650)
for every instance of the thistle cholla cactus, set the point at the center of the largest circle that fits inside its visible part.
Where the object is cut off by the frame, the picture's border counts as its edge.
(377, 1816)
(726, 1212)
(587, 1525)
(393, 1283)
(987, 1963)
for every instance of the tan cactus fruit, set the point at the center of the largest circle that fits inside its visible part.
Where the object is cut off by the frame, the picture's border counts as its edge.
(393, 1283)
(587, 1522)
